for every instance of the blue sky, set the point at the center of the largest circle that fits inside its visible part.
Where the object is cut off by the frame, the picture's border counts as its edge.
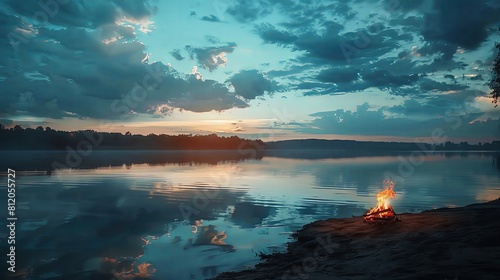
(269, 69)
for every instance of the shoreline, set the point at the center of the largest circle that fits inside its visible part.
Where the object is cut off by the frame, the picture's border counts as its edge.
(445, 243)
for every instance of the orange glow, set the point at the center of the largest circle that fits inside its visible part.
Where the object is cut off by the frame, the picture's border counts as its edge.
(384, 196)
(145, 270)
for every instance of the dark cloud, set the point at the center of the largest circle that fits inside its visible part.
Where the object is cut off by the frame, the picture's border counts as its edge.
(403, 55)
(360, 122)
(319, 34)
(102, 95)
(270, 34)
(430, 85)
(349, 79)
(87, 14)
(248, 10)
(212, 39)
(460, 102)
(251, 84)
(338, 75)
(412, 107)
(463, 23)
(80, 39)
(341, 9)
(177, 54)
(67, 76)
(408, 24)
(290, 71)
(477, 78)
(402, 6)
(303, 16)
(446, 49)
(367, 121)
(211, 18)
(299, 22)
(97, 68)
(396, 65)
(401, 80)
(332, 90)
(211, 57)
(6, 122)
(195, 95)
(333, 46)
(383, 79)
(309, 85)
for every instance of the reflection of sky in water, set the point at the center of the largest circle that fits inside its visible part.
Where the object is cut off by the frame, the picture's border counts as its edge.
(130, 221)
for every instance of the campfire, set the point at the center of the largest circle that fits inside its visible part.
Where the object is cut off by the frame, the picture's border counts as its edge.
(383, 213)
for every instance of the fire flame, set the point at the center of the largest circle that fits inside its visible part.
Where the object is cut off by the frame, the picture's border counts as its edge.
(383, 208)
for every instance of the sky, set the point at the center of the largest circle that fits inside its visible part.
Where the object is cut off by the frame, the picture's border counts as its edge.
(269, 69)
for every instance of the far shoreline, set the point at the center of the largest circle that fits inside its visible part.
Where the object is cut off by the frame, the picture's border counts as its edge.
(52, 160)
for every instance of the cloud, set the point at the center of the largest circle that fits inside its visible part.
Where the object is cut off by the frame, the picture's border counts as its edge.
(478, 77)
(335, 46)
(93, 66)
(271, 35)
(373, 122)
(330, 50)
(211, 18)
(383, 79)
(212, 39)
(195, 95)
(341, 80)
(463, 23)
(177, 54)
(251, 84)
(360, 122)
(338, 75)
(404, 6)
(98, 95)
(238, 129)
(211, 57)
(340, 55)
(430, 85)
(458, 114)
(445, 49)
(6, 122)
(436, 106)
(86, 14)
(248, 10)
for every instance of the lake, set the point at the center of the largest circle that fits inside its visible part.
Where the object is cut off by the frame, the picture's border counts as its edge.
(178, 215)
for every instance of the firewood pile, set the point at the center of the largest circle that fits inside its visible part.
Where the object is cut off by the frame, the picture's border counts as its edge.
(382, 216)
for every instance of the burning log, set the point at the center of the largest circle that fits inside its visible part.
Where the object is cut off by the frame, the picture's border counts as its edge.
(383, 212)
(379, 212)
(382, 216)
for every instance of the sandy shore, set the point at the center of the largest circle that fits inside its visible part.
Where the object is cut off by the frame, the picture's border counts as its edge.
(448, 243)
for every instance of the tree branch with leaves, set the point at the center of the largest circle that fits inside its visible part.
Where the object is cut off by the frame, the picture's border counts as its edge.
(494, 83)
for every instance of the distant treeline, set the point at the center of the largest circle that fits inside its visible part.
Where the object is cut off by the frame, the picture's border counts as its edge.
(318, 144)
(18, 138)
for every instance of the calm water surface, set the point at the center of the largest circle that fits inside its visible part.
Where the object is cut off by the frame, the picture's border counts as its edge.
(190, 220)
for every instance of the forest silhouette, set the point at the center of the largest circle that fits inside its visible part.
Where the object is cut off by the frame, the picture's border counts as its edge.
(19, 138)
